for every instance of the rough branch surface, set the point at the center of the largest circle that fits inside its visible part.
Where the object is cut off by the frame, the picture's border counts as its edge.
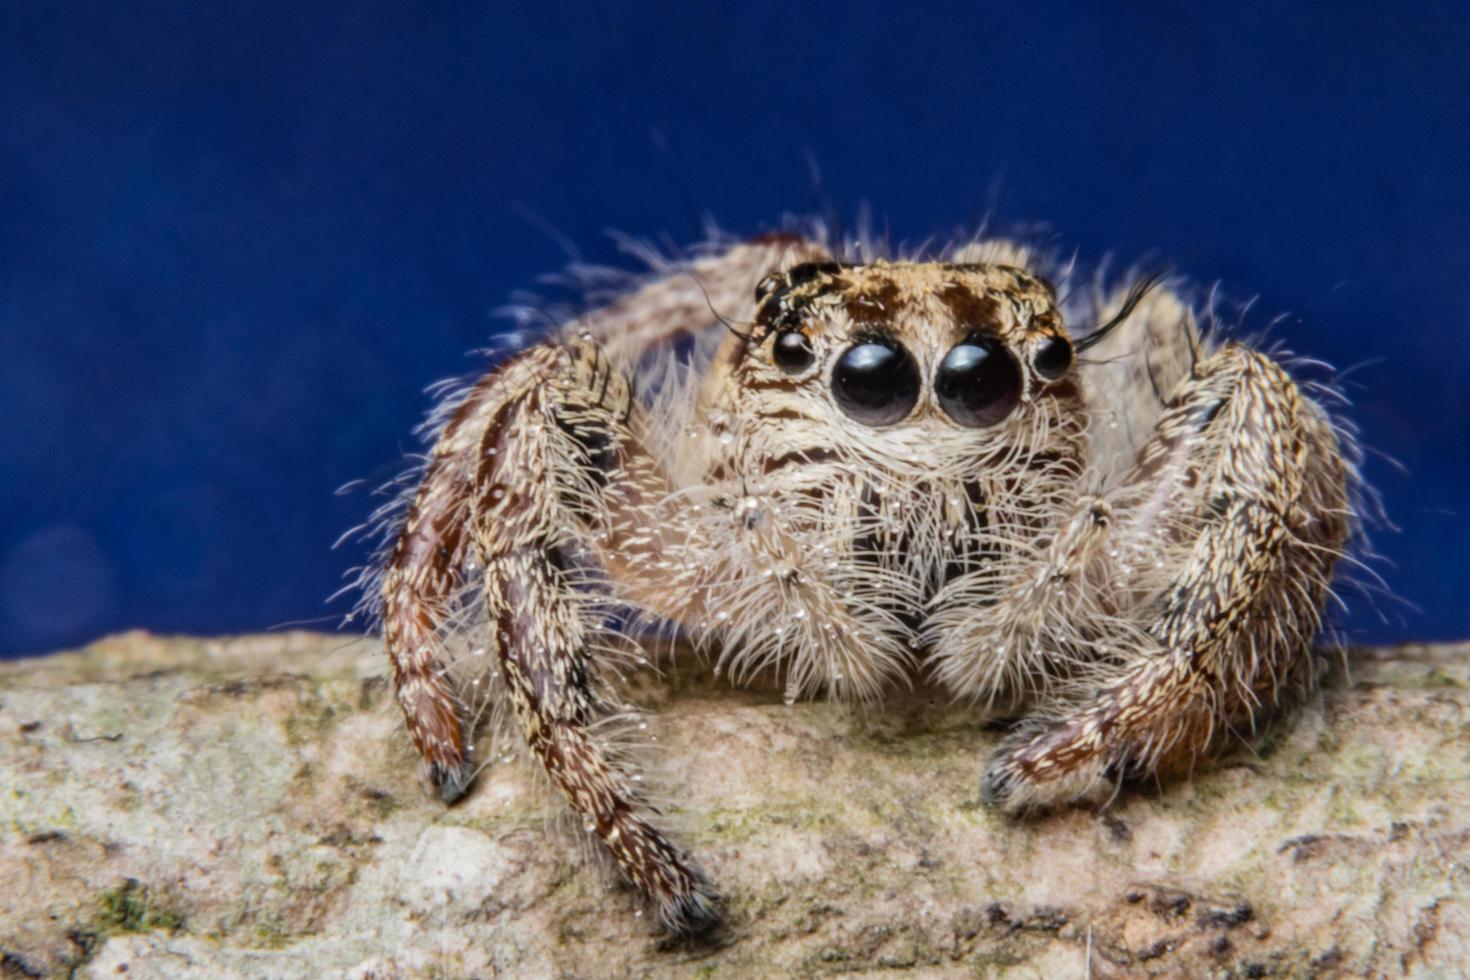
(249, 807)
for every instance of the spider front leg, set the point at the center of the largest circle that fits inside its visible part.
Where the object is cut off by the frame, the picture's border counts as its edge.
(556, 465)
(1227, 533)
(537, 468)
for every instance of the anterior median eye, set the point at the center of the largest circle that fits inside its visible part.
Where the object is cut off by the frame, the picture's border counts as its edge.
(978, 382)
(792, 351)
(876, 381)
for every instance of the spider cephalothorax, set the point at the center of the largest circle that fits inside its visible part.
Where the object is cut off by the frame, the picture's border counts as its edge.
(852, 474)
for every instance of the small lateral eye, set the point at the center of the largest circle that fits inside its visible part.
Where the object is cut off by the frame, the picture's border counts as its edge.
(978, 382)
(1052, 358)
(792, 351)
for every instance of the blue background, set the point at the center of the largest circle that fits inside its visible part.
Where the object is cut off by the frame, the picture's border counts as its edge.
(237, 240)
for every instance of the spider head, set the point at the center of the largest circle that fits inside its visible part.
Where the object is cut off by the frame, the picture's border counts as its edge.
(938, 348)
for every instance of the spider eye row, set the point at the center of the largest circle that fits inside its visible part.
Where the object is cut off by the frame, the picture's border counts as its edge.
(876, 381)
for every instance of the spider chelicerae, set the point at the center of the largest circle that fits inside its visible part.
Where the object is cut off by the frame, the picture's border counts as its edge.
(1059, 502)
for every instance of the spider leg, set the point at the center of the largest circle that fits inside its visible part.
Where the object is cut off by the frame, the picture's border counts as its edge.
(421, 579)
(1008, 632)
(556, 464)
(536, 473)
(1230, 524)
(559, 448)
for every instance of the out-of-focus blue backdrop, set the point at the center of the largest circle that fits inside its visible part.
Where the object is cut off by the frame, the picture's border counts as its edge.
(237, 240)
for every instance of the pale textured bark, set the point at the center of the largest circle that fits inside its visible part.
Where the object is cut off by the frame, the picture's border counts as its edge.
(250, 807)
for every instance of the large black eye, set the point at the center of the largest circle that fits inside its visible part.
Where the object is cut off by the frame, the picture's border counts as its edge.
(978, 382)
(1052, 358)
(876, 381)
(792, 351)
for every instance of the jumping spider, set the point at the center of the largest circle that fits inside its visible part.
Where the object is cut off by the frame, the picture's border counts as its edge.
(850, 474)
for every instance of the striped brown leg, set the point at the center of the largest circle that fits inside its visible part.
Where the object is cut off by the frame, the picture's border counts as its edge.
(1235, 515)
(538, 468)
(556, 465)
(421, 580)
(559, 462)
